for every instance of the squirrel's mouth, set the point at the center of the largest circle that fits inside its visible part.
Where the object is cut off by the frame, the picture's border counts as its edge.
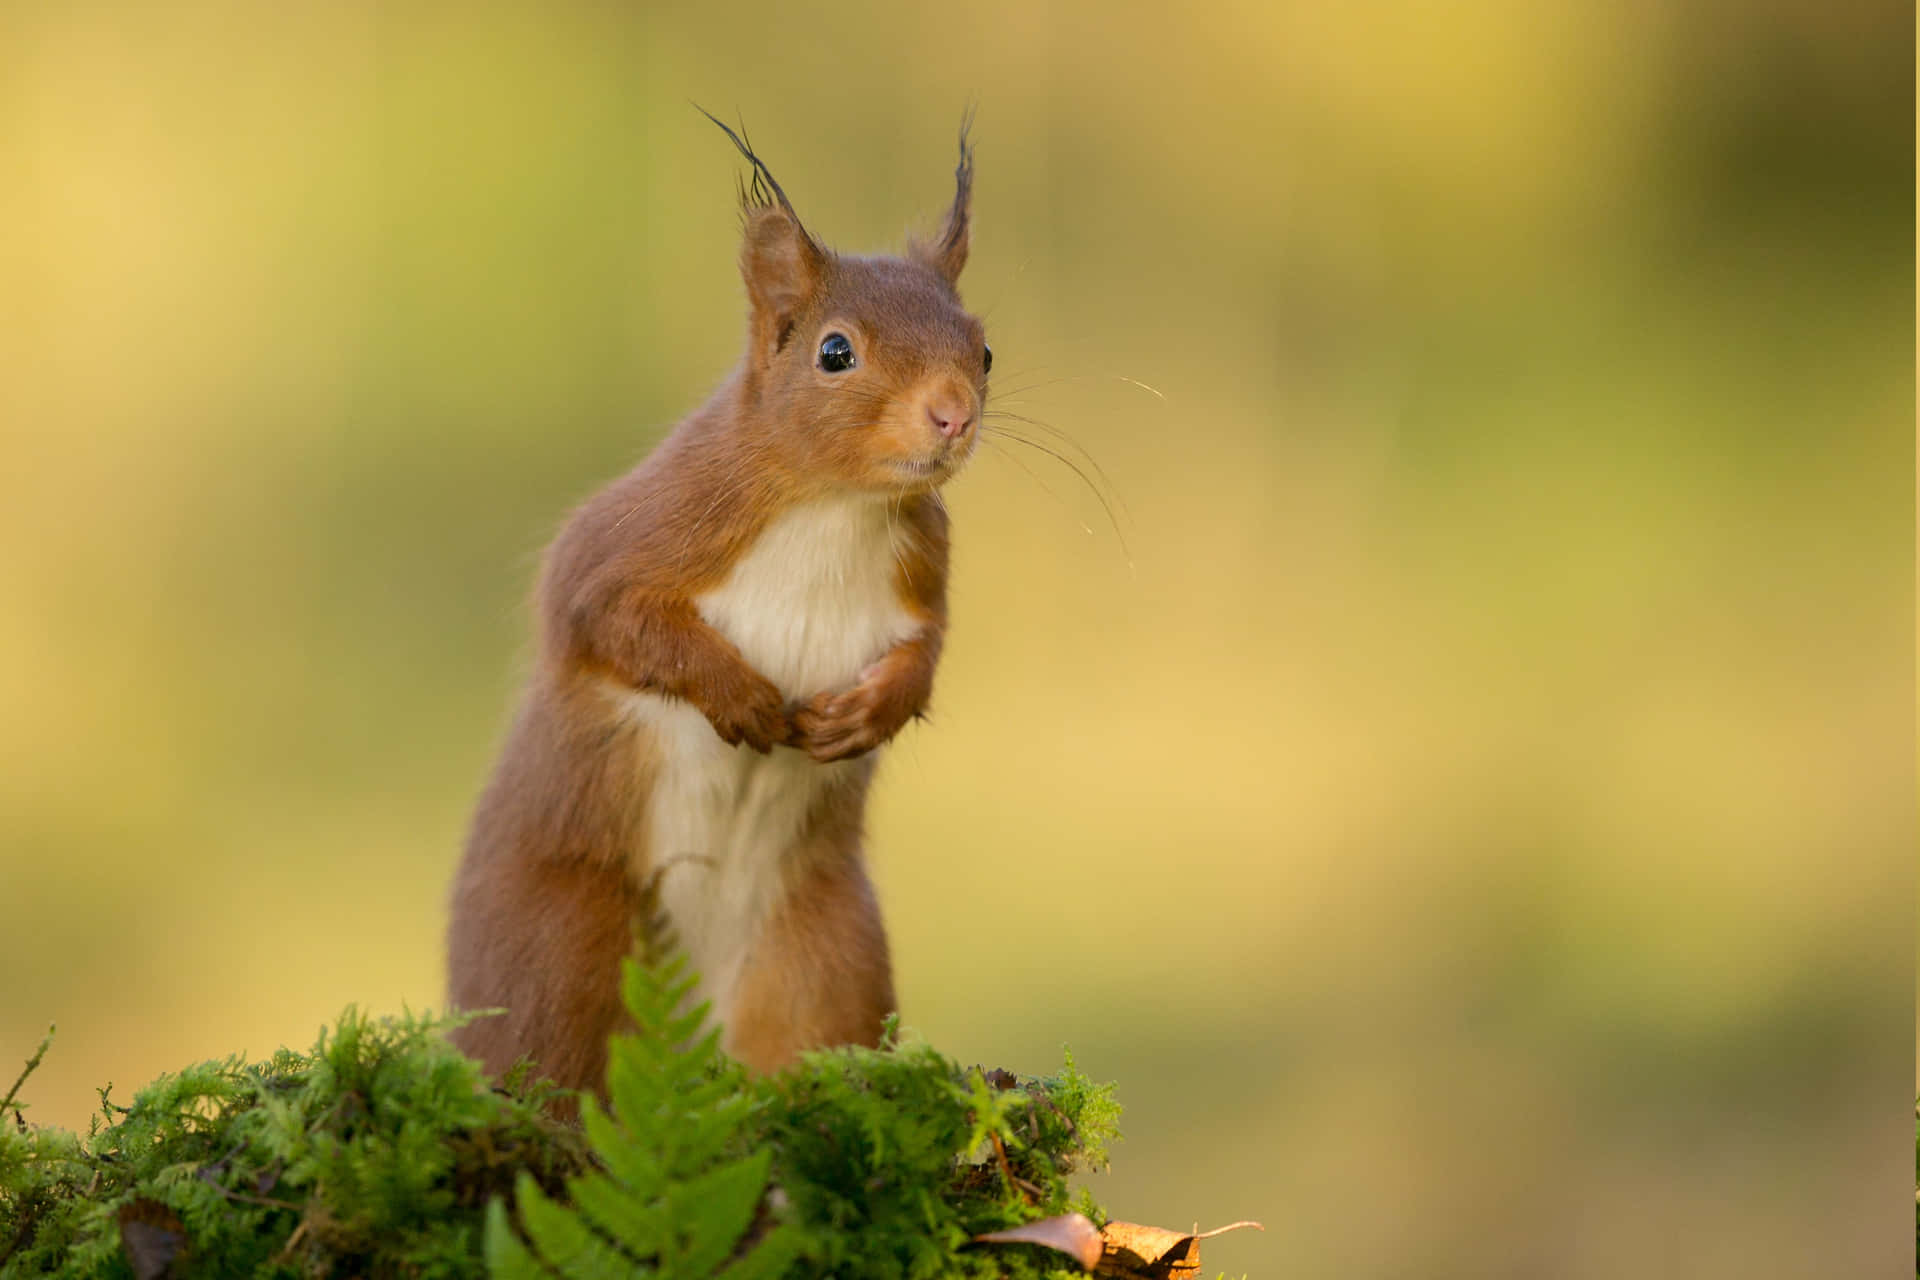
(936, 467)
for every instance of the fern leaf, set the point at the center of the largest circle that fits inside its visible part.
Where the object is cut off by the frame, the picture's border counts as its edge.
(641, 1227)
(774, 1256)
(566, 1243)
(716, 1210)
(630, 1163)
(507, 1258)
(638, 1092)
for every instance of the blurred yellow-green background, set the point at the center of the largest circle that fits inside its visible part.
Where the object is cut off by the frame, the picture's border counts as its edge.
(1471, 814)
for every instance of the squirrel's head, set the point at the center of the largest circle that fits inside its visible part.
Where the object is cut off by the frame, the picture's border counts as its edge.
(863, 373)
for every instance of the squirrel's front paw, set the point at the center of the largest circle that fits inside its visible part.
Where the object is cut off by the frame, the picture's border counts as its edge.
(841, 725)
(748, 708)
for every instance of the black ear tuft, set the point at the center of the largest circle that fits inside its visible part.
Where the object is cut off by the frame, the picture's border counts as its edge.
(762, 191)
(782, 265)
(956, 232)
(948, 253)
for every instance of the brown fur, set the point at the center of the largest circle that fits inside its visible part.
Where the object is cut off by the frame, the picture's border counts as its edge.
(546, 900)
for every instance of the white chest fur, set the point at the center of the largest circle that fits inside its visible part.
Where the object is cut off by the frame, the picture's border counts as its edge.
(809, 606)
(813, 601)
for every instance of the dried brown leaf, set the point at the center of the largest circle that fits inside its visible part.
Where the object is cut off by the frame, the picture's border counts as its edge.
(1070, 1233)
(1134, 1252)
(154, 1239)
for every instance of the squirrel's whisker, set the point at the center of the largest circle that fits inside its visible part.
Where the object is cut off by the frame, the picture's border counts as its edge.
(1035, 477)
(1100, 496)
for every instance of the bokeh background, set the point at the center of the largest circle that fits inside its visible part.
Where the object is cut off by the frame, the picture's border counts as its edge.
(1465, 795)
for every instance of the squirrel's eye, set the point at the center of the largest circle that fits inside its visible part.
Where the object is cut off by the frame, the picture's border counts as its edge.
(836, 353)
(986, 359)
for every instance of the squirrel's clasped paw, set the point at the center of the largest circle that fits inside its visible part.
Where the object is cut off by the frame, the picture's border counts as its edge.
(850, 722)
(751, 712)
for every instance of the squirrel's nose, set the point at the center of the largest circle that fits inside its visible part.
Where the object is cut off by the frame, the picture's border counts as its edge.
(950, 418)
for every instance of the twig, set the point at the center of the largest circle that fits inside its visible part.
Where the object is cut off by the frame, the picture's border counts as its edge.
(293, 1241)
(32, 1062)
(25, 1233)
(1006, 1170)
(266, 1201)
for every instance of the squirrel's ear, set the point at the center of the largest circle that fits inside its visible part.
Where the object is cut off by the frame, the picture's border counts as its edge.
(783, 268)
(947, 253)
(782, 265)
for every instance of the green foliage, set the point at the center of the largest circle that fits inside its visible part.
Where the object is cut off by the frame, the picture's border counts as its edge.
(382, 1152)
(373, 1154)
(678, 1187)
(888, 1161)
(894, 1158)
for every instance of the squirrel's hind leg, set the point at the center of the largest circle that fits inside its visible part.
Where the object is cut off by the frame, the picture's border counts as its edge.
(544, 938)
(818, 973)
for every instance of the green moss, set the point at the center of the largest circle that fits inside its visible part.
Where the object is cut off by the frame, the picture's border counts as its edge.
(373, 1154)
(384, 1152)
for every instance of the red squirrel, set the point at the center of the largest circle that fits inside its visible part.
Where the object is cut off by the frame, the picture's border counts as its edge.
(728, 633)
